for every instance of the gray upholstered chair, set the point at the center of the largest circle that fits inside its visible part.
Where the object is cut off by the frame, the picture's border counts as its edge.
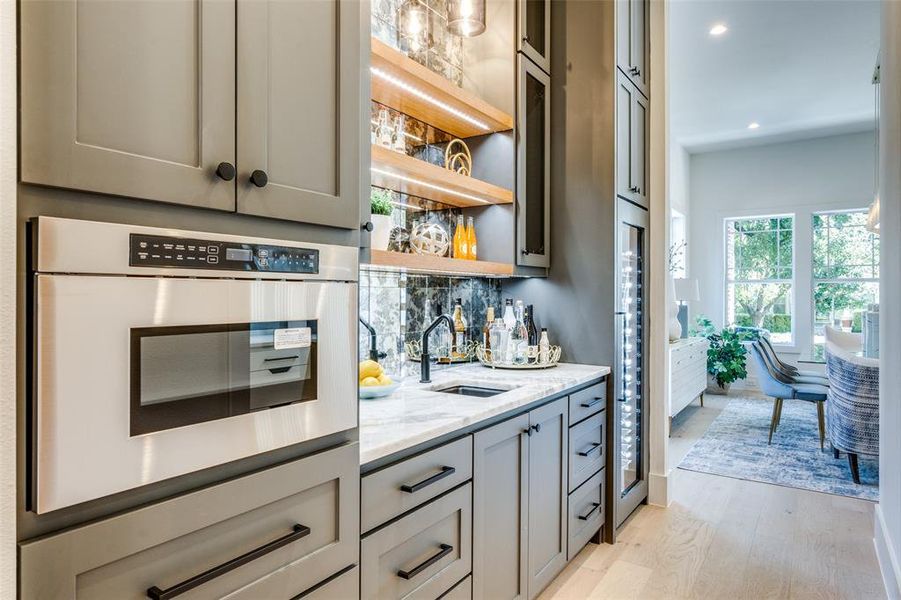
(853, 405)
(847, 341)
(781, 388)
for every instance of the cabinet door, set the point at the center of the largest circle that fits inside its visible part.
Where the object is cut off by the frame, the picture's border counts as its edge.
(533, 166)
(548, 456)
(624, 152)
(130, 98)
(639, 135)
(632, 56)
(535, 31)
(500, 511)
(300, 70)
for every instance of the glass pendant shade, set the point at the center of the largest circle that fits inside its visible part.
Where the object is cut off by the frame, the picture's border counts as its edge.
(466, 17)
(414, 24)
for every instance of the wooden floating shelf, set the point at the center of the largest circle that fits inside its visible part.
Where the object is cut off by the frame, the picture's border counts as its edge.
(405, 85)
(438, 264)
(402, 173)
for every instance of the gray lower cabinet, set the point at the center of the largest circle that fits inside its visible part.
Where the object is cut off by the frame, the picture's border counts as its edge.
(587, 450)
(343, 586)
(129, 98)
(300, 128)
(519, 503)
(586, 514)
(632, 175)
(248, 105)
(300, 518)
(461, 591)
(423, 554)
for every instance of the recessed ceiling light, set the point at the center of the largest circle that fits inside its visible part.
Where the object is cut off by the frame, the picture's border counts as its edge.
(718, 29)
(754, 125)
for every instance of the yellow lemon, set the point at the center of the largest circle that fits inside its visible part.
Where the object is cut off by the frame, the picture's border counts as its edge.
(384, 379)
(369, 382)
(369, 368)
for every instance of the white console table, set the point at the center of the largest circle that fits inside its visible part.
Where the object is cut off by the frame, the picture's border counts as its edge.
(688, 372)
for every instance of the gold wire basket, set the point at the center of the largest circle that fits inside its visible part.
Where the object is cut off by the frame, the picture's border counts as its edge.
(443, 353)
(533, 359)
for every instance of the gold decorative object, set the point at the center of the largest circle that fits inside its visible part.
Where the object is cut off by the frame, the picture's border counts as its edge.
(443, 354)
(488, 359)
(429, 238)
(459, 161)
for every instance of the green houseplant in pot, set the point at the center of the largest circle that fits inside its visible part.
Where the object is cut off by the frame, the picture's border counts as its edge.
(381, 209)
(726, 356)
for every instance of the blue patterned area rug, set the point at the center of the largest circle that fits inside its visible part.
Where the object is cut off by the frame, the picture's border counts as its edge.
(735, 445)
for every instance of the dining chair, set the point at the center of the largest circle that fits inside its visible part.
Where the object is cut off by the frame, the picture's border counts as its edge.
(848, 341)
(853, 406)
(791, 369)
(780, 388)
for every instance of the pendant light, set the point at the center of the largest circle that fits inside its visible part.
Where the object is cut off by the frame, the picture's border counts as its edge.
(414, 25)
(873, 213)
(466, 17)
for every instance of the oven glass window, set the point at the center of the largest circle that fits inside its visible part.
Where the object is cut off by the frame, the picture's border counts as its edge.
(190, 374)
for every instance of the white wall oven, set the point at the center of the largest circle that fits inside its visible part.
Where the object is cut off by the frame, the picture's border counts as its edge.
(161, 352)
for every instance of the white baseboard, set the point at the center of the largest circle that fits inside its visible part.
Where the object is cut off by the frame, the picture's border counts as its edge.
(659, 485)
(888, 560)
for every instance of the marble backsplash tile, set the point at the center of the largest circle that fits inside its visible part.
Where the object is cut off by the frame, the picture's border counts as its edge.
(401, 305)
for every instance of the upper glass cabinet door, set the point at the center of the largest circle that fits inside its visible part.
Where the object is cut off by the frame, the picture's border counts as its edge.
(535, 31)
(533, 166)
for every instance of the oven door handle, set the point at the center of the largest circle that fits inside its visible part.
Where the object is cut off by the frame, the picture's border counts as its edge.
(298, 532)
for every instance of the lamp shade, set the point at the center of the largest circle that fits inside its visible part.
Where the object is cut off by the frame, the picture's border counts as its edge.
(466, 18)
(687, 289)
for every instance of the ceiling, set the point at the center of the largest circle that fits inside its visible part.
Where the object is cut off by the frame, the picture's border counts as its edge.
(799, 68)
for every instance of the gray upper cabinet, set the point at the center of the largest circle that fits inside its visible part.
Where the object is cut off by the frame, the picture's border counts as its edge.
(519, 504)
(130, 98)
(631, 142)
(533, 166)
(632, 55)
(535, 31)
(548, 457)
(300, 69)
(248, 105)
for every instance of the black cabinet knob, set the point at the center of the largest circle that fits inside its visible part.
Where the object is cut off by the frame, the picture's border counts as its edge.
(368, 226)
(226, 171)
(537, 428)
(259, 178)
(528, 431)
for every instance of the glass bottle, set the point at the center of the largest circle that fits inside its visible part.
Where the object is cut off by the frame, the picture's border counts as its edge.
(509, 317)
(519, 337)
(461, 244)
(472, 244)
(400, 143)
(530, 325)
(445, 339)
(489, 319)
(496, 336)
(459, 330)
(544, 347)
(383, 129)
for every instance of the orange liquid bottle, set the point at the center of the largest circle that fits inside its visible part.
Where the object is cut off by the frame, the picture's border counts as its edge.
(472, 243)
(461, 244)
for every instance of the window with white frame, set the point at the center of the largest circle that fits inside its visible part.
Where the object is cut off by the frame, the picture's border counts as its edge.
(760, 274)
(845, 272)
(678, 259)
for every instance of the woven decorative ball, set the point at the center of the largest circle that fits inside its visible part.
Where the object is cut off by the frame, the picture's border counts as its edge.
(429, 238)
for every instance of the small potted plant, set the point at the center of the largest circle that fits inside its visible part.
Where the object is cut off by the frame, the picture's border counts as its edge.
(381, 208)
(726, 356)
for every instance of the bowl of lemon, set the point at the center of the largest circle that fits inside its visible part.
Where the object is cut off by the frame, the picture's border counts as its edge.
(374, 382)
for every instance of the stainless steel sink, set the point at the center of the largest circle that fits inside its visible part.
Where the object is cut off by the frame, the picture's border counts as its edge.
(471, 390)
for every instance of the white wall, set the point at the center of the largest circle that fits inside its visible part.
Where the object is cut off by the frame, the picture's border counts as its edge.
(888, 513)
(680, 178)
(796, 177)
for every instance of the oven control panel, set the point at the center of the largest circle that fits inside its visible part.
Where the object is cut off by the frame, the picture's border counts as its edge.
(185, 253)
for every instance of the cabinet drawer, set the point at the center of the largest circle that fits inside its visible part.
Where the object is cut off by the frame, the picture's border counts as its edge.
(403, 486)
(423, 554)
(586, 514)
(343, 587)
(587, 449)
(587, 402)
(168, 543)
(461, 591)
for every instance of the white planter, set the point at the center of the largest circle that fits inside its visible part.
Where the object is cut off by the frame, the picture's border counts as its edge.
(381, 232)
(714, 388)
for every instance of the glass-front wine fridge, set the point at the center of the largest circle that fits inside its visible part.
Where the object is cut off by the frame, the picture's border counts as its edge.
(630, 460)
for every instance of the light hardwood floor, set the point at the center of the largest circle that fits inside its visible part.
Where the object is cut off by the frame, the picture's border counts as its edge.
(725, 538)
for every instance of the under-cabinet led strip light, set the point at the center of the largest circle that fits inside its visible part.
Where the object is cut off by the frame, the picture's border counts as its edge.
(429, 185)
(409, 135)
(430, 99)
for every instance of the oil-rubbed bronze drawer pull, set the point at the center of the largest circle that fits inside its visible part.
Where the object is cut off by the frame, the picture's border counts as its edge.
(298, 531)
(594, 507)
(595, 446)
(415, 487)
(445, 550)
(597, 400)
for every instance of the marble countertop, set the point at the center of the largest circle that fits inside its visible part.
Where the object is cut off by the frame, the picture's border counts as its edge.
(414, 414)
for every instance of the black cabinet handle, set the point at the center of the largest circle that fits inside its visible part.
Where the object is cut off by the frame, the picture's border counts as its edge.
(368, 226)
(537, 428)
(594, 507)
(597, 400)
(445, 550)
(277, 370)
(527, 431)
(292, 357)
(633, 188)
(259, 178)
(595, 447)
(226, 171)
(299, 531)
(445, 472)
(635, 71)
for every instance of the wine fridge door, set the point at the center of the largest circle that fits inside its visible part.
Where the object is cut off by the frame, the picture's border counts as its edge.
(630, 460)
